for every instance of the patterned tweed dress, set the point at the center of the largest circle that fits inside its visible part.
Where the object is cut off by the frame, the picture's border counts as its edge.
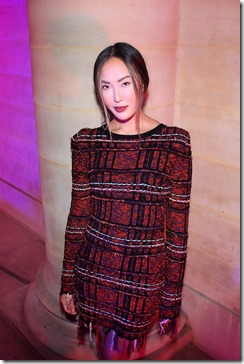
(127, 230)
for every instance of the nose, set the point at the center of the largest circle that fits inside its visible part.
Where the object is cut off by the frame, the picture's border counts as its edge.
(117, 95)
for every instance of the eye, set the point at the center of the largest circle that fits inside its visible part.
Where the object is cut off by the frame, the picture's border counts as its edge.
(105, 87)
(125, 84)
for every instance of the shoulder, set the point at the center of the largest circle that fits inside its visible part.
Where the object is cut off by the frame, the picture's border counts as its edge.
(179, 138)
(87, 133)
(180, 134)
(85, 136)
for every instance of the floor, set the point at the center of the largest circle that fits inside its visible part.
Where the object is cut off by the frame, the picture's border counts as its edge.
(21, 254)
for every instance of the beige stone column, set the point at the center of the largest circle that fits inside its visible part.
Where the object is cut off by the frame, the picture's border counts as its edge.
(66, 36)
(208, 105)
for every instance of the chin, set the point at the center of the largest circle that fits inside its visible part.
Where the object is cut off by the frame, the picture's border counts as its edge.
(124, 120)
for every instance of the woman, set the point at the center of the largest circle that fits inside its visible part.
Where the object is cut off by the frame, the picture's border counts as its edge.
(127, 230)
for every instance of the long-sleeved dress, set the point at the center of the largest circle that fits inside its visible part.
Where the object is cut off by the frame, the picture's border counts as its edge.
(127, 230)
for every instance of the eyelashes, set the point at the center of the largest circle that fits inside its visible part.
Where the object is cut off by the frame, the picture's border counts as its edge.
(107, 87)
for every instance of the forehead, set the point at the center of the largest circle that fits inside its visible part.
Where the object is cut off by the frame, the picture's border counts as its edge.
(114, 67)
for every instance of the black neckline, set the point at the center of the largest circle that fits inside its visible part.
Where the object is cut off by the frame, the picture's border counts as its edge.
(148, 133)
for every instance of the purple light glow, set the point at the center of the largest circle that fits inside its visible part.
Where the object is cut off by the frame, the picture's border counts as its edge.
(19, 169)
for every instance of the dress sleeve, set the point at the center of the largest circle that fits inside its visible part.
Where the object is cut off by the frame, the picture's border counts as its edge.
(78, 215)
(179, 168)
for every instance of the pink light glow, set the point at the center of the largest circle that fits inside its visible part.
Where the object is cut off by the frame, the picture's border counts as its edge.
(19, 168)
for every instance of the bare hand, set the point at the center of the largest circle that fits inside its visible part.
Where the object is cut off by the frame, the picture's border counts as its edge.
(67, 303)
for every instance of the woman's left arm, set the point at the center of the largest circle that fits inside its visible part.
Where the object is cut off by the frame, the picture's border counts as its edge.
(179, 167)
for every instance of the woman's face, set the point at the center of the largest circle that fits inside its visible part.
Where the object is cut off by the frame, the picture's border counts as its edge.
(117, 90)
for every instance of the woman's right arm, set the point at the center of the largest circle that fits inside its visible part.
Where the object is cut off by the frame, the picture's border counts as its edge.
(77, 221)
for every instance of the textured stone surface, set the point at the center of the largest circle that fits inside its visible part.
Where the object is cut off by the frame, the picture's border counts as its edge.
(20, 193)
(207, 104)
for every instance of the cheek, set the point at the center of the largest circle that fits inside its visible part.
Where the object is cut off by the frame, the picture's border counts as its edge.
(107, 98)
(130, 93)
(132, 98)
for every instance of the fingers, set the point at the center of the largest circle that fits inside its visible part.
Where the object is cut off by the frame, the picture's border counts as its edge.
(67, 303)
(169, 327)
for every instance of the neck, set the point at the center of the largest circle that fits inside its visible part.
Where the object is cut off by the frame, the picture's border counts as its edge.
(130, 127)
(127, 127)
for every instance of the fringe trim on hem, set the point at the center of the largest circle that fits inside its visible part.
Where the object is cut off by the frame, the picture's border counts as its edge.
(100, 332)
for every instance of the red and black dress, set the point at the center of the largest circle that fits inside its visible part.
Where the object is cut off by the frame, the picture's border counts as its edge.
(127, 230)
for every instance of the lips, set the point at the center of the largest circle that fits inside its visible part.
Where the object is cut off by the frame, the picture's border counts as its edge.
(120, 108)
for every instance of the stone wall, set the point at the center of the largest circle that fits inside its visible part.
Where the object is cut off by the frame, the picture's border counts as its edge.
(192, 51)
(207, 104)
(20, 194)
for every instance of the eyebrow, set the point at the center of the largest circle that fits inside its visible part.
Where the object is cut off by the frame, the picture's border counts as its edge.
(121, 79)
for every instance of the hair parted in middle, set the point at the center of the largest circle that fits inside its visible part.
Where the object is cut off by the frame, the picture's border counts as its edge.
(137, 68)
